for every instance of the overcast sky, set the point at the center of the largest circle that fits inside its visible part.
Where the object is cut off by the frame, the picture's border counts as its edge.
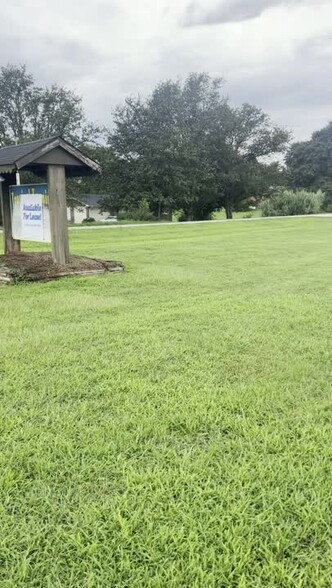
(276, 54)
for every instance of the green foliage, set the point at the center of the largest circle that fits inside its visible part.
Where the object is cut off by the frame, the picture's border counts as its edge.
(326, 187)
(309, 164)
(141, 213)
(171, 426)
(29, 112)
(112, 184)
(184, 147)
(89, 220)
(160, 139)
(289, 203)
(189, 150)
(239, 138)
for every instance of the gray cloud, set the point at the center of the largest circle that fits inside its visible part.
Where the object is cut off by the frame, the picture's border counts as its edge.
(228, 11)
(63, 60)
(299, 95)
(59, 55)
(106, 50)
(302, 84)
(296, 93)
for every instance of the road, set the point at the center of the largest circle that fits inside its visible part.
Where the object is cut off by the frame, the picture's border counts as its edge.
(176, 224)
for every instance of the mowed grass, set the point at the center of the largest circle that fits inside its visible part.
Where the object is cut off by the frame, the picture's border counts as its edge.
(171, 426)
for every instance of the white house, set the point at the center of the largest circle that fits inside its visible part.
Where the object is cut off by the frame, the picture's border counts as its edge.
(86, 206)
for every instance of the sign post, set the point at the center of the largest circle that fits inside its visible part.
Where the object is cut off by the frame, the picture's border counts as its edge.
(56, 178)
(11, 245)
(35, 214)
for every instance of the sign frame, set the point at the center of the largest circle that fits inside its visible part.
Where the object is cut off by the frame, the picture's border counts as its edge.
(30, 213)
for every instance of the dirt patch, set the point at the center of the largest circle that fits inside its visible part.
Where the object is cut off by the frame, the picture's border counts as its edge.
(31, 267)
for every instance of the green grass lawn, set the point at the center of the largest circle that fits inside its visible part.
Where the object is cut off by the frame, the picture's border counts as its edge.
(171, 426)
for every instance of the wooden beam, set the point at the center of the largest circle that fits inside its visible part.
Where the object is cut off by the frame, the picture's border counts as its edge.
(10, 244)
(77, 153)
(56, 179)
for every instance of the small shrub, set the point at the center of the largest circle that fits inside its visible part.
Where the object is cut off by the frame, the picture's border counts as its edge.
(247, 215)
(122, 216)
(182, 217)
(327, 201)
(177, 215)
(290, 203)
(89, 220)
(141, 213)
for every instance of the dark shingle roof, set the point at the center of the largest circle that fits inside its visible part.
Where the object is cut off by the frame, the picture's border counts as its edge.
(29, 156)
(92, 199)
(10, 155)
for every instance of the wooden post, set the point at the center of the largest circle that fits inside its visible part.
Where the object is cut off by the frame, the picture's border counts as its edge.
(56, 178)
(10, 244)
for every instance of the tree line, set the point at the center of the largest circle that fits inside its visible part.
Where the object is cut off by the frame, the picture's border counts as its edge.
(182, 148)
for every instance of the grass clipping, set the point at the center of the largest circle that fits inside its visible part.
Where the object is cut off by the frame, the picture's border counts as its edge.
(31, 267)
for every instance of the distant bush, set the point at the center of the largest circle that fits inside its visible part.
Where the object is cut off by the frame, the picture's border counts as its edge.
(290, 203)
(141, 213)
(89, 220)
(327, 200)
(247, 215)
(122, 216)
(182, 218)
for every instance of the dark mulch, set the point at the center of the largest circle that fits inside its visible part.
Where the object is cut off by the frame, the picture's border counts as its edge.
(30, 267)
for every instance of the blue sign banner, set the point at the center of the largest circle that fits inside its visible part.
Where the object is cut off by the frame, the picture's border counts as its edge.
(30, 212)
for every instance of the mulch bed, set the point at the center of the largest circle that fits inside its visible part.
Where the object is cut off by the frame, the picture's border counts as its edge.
(31, 267)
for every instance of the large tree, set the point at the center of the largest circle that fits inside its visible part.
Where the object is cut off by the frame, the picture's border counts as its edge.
(28, 111)
(162, 139)
(190, 149)
(240, 140)
(309, 163)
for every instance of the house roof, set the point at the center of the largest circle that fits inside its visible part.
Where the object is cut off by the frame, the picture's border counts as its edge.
(9, 155)
(36, 155)
(92, 200)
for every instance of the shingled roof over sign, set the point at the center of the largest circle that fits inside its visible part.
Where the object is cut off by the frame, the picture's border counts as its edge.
(36, 155)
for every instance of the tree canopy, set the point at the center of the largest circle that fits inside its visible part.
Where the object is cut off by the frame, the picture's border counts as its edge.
(184, 147)
(190, 149)
(29, 112)
(309, 163)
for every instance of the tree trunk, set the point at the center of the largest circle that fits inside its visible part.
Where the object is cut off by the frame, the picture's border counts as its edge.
(229, 211)
(191, 213)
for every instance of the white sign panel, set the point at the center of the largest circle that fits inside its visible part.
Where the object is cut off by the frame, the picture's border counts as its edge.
(30, 213)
